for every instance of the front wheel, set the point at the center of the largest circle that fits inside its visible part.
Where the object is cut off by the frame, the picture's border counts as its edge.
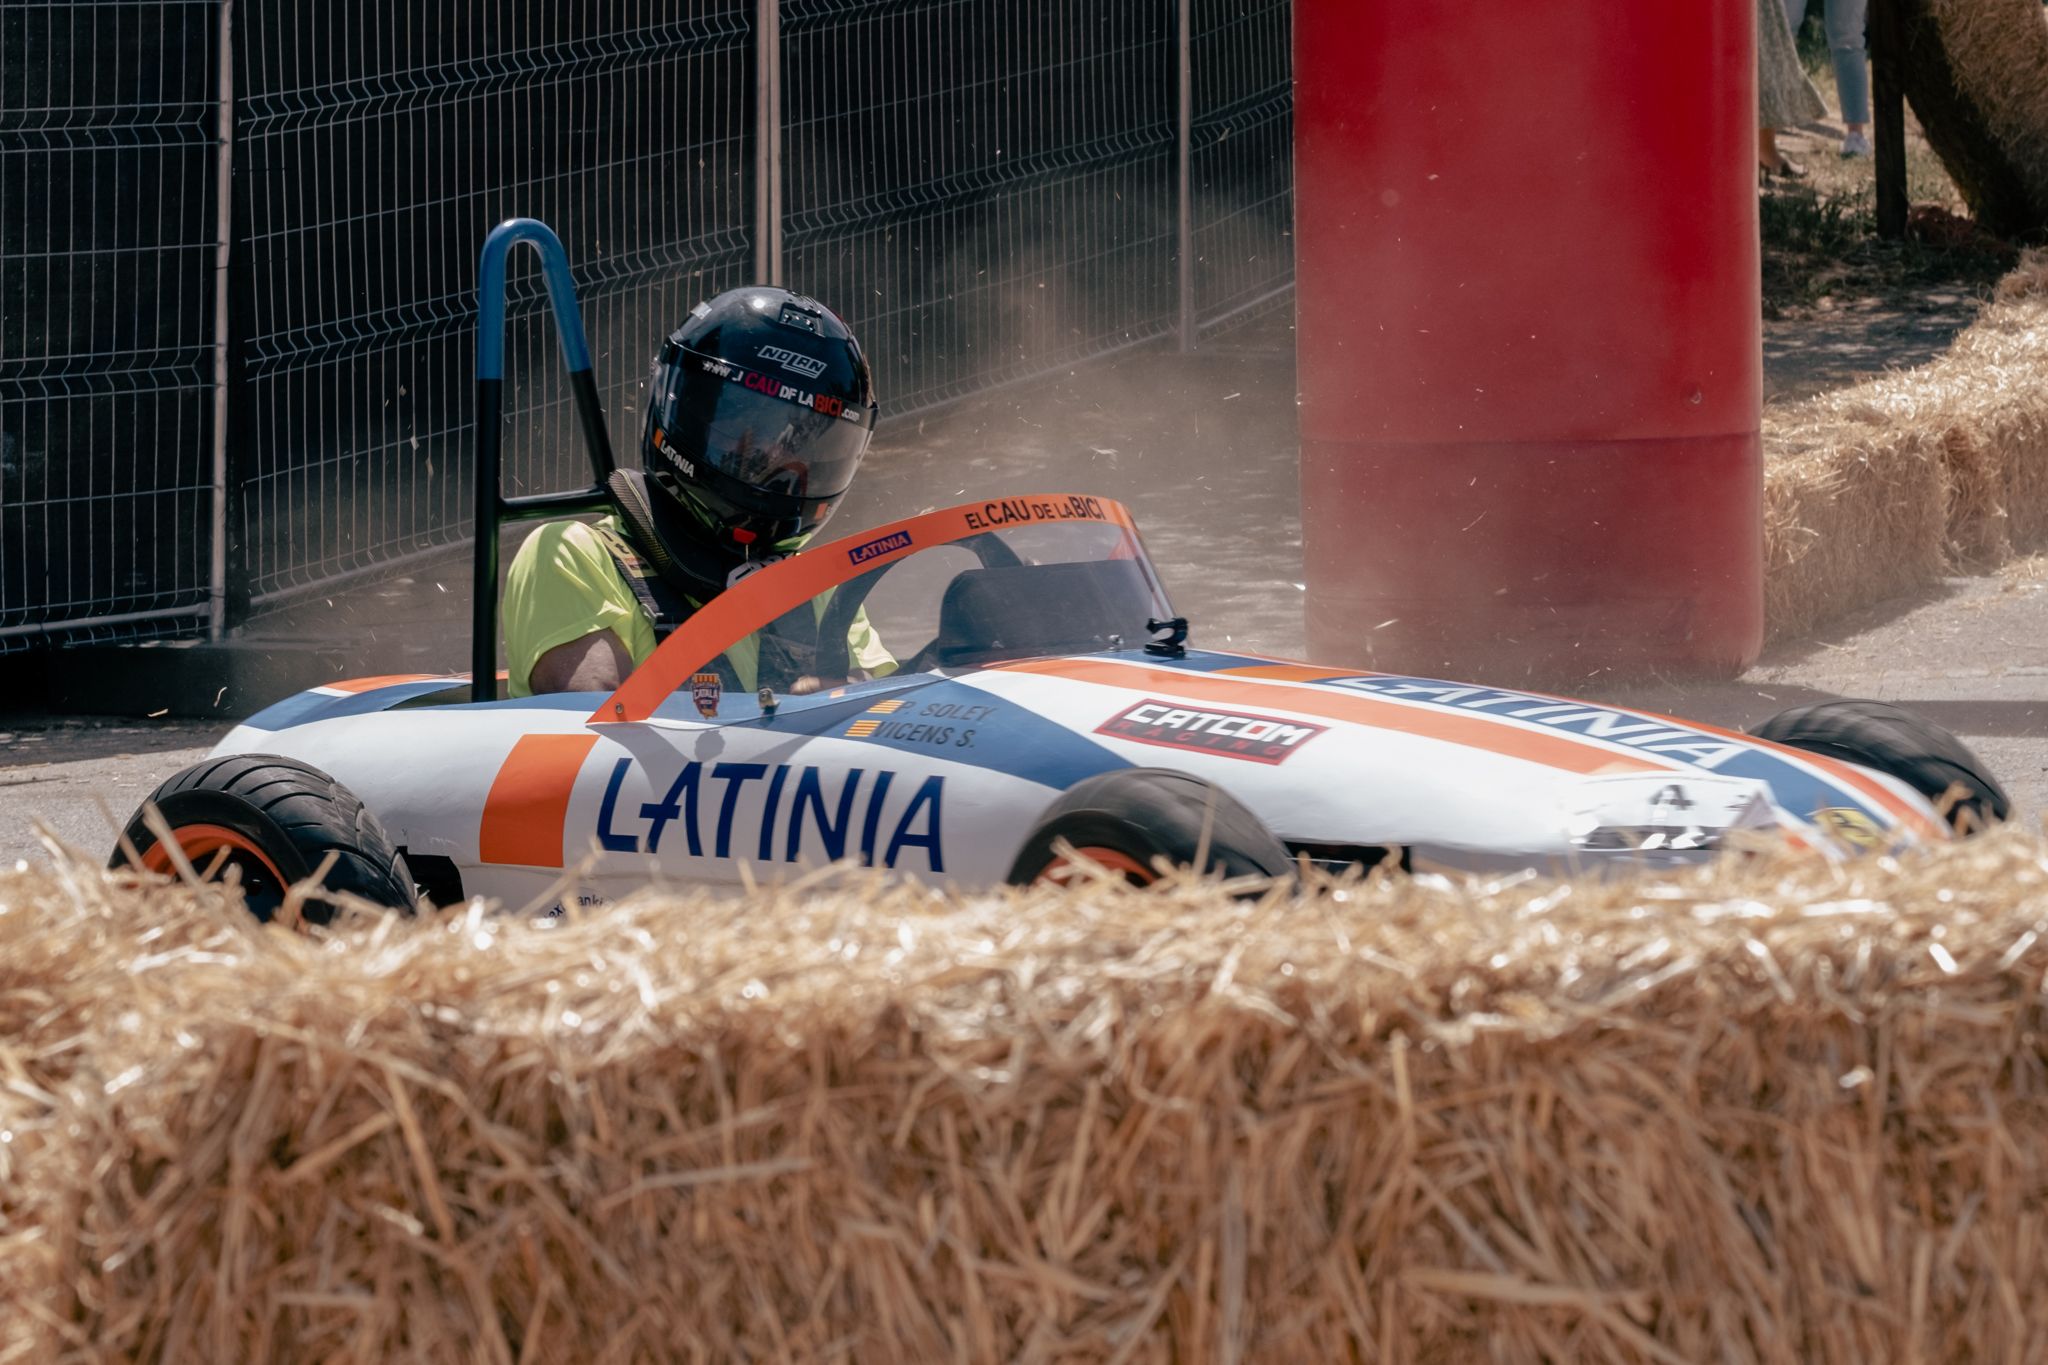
(275, 820)
(1897, 743)
(1137, 820)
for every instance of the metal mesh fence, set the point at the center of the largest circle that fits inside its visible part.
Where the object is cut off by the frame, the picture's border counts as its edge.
(987, 189)
(379, 143)
(984, 188)
(108, 145)
(1243, 159)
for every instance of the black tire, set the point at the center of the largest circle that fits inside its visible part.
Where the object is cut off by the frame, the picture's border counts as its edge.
(293, 816)
(1898, 744)
(1147, 814)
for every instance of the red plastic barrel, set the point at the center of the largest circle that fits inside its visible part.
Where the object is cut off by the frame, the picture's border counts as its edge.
(1529, 335)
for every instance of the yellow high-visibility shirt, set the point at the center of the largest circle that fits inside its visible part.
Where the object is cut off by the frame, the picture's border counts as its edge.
(564, 585)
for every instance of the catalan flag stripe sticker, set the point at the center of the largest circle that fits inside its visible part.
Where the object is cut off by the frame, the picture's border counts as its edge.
(861, 729)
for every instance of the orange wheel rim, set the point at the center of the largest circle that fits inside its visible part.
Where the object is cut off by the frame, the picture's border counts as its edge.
(1060, 871)
(201, 842)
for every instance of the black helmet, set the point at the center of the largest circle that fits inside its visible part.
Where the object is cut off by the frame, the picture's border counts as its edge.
(758, 413)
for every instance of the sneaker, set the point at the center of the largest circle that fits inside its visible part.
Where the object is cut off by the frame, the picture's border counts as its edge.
(1856, 144)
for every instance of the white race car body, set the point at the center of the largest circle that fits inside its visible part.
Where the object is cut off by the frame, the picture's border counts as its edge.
(941, 773)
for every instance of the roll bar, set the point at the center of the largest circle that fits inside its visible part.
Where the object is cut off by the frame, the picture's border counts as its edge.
(493, 509)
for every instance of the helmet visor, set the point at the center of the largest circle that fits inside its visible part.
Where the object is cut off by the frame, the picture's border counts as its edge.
(773, 436)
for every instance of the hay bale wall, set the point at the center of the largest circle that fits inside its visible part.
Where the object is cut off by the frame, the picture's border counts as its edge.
(1873, 490)
(1774, 1113)
(1976, 74)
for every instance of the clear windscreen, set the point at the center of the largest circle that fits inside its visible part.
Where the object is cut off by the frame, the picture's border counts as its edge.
(965, 587)
(1006, 593)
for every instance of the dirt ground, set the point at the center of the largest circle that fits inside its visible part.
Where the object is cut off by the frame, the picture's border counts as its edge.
(1970, 654)
(1839, 302)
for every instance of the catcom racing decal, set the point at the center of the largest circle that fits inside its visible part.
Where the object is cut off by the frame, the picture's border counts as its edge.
(1573, 736)
(1234, 734)
(1563, 752)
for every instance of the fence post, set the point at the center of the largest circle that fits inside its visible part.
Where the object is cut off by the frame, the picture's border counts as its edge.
(1888, 116)
(224, 413)
(768, 143)
(1185, 199)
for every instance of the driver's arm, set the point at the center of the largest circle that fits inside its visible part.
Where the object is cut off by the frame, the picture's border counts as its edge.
(864, 648)
(595, 663)
(570, 621)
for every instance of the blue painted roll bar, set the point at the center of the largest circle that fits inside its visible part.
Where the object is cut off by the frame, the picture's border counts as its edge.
(493, 509)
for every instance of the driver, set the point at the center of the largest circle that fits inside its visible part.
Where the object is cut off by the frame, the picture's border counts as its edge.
(759, 409)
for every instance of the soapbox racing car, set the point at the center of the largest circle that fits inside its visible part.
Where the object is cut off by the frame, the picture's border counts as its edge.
(1045, 699)
(1045, 705)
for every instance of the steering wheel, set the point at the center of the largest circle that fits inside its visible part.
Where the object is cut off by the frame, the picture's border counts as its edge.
(834, 662)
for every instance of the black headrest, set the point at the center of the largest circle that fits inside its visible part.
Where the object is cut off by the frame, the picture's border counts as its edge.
(1034, 609)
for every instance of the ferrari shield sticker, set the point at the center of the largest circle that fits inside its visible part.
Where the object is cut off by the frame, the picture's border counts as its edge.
(704, 690)
(1233, 734)
(1852, 827)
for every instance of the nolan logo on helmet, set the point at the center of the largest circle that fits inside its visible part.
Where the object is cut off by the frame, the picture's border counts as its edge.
(809, 366)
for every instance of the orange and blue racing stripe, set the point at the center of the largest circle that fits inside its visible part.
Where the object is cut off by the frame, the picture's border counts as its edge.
(349, 697)
(1575, 736)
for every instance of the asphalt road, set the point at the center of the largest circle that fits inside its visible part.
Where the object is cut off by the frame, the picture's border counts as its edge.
(1970, 654)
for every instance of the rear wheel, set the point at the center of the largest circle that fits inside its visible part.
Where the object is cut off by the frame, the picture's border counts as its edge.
(275, 820)
(1899, 744)
(1133, 820)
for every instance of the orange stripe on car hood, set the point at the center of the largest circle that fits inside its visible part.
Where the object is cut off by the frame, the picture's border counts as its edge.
(1289, 672)
(352, 686)
(1847, 774)
(1474, 732)
(529, 800)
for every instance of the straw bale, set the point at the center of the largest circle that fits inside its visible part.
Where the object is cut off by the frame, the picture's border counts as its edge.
(1772, 1111)
(1994, 55)
(1849, 523)
(1873, 490)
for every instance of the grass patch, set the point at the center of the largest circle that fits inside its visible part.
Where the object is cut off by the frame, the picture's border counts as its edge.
(1820, 242)
(1821, 246)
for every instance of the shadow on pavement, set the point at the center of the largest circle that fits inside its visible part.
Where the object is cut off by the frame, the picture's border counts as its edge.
(32, 738)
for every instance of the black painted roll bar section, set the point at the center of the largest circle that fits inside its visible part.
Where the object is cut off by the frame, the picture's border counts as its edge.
(493, 509)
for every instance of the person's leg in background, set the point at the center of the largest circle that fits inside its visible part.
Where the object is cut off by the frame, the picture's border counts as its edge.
(1843, 20)
(1785, 96)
